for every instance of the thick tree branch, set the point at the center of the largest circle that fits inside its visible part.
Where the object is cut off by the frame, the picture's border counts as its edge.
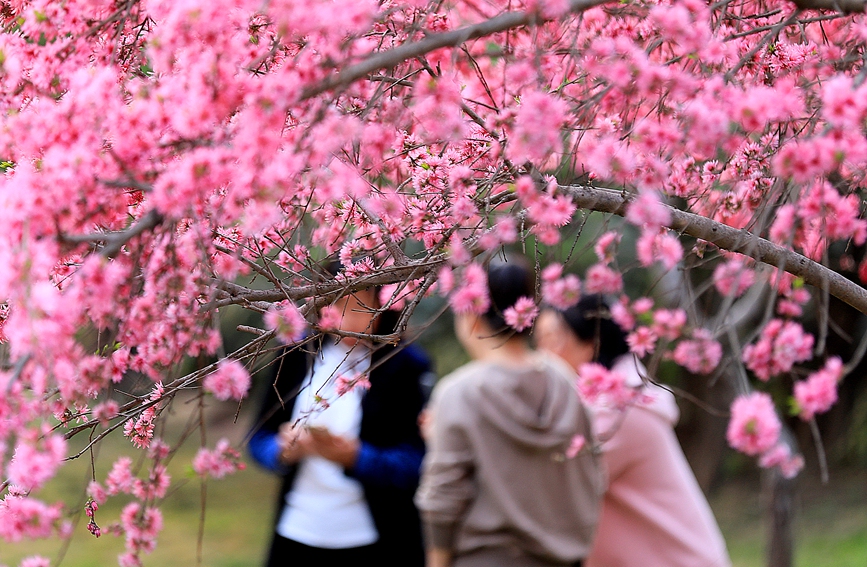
(115, 240)
(392, 57)
(735, 240)
(328, 290)
(845, 6)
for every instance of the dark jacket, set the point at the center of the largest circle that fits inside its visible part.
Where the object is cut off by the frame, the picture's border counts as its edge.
(391, 451)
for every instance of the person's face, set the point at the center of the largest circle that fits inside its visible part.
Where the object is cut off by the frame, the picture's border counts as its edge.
(358, 311)
(554, 335)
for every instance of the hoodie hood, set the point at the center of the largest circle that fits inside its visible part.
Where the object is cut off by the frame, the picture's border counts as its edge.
(535, 405)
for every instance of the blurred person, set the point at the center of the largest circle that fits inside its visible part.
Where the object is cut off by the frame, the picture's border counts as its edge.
(654, 512)
(343, 433)
(506, 480)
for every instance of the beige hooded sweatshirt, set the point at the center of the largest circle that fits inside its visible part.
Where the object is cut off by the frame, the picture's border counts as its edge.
(499, 473)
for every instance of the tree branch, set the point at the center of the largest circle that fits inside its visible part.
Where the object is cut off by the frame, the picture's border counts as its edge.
(115, 240)
(392, 57)
(733, 239)
(845, 6)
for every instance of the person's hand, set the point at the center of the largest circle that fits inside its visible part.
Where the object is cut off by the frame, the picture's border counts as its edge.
(335, 448)
(294, 443)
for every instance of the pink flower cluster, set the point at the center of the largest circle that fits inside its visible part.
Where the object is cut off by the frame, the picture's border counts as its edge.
(780, 346)
(344, 384)
(141, 430)
(559, 291)
(642, 341)
(659, 245)
(219, 462)
(781, 456)
(600, 278)
(598, 385)
(472, 296)
(521, 315)
(754, 427)
(818, 392)
(34, 463)
(733, 278)
(229, 381)
(26, 517)
(700, 354)
(287, 321)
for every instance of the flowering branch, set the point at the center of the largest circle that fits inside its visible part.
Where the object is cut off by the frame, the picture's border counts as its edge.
(845, 6)
(734, 240)
(115, 240)
(408, 51)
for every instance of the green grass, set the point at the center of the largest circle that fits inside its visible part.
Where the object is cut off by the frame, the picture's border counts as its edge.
(830, 521)
(831, 526)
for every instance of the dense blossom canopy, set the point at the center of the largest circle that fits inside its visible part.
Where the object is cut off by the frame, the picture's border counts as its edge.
(158, 154)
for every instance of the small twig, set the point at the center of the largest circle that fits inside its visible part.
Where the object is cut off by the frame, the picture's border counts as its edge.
(820, 450)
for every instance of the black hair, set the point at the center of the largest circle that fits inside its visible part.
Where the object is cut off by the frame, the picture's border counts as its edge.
(590, 320)
(508, 281)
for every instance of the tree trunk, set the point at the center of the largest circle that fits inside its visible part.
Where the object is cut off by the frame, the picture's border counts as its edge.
(779, 496)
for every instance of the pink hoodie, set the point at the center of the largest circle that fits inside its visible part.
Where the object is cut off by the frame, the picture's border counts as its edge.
(654, 514)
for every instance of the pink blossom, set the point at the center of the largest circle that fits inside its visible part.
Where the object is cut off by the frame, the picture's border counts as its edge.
(647, 211)
(662, 246)
(598, 385)
(347, 383)
(602, 279)
(472, 296)
(330, 317)
(536, 132)
(780, 346)
(554, 211)
(818, 392)
(669, 323)
(557, 291)
(229, 380)
(843, 105)
(105, 412)
(605, 244)
(96, 493)
(33, 465)
(445, 280)
(732, 278)
(781, 456)
(622, 315)
(699, 355)
(141, 430)
(754, 427)
(156, 485)
(219, 462)
(35, 561)
(26, 517)
(120, 479)
(287, 321)
(642, 341)
(521, 315)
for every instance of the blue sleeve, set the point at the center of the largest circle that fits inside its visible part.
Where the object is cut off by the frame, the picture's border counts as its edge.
(396, 466)
(265, 450)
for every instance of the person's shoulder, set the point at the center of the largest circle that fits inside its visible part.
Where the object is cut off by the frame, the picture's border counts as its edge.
(459, 381)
